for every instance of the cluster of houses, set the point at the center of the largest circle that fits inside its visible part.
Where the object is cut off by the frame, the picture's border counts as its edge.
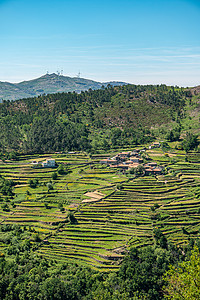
(132, 159)
(152, 168)
(49, 163)
(123, 160)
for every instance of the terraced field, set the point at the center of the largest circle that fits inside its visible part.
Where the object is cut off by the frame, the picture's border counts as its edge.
(126, 213)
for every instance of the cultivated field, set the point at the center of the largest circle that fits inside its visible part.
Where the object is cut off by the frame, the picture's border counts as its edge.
(113, 211)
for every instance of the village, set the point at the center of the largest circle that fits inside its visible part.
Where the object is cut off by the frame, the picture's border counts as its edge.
(132, 159)
(124, 161)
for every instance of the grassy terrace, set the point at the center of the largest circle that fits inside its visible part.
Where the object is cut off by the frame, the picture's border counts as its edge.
(130, 208)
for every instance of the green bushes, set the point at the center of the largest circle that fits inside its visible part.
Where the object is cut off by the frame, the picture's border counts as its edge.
(71, 218)
(62, 170)
(183, 280)
(5, 207)
(49, 186)
(160, 238)
(6, 186)
(54, 176)
(60, 206)
(33, 183)
(190, 142)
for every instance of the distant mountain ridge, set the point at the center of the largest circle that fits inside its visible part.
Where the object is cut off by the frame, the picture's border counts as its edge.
(48, 84)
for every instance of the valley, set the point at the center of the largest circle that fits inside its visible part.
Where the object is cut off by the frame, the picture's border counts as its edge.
(128, 213)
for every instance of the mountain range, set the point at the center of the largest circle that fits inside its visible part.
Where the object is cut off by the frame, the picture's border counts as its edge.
(48, 84)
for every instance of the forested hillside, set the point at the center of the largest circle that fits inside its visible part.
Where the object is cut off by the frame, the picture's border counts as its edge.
(92, 120)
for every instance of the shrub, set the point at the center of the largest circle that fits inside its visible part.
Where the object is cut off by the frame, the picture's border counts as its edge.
(46, 205)
(61, 170)
(71, 218)
(37, 238)
(54, 176)
(33, 183)
(5, 207)
(190, 142)
(49, 186)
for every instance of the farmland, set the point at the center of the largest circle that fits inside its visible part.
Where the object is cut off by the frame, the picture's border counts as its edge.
(112, 211)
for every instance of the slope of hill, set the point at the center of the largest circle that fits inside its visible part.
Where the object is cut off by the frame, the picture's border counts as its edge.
(10, 91)
(97, 119)
(195, 90)
(48, 84)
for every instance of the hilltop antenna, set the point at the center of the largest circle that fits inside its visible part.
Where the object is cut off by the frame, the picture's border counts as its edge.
(79, 74)
(61, 72)
(47, 72)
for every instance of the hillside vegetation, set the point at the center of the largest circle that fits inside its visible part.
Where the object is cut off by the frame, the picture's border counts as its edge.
(94, 120)
(83, 229)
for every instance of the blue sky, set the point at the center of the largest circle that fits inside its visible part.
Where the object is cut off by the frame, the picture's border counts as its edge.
(141, 42)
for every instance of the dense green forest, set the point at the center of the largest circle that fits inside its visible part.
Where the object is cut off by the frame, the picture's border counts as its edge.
(92, 120)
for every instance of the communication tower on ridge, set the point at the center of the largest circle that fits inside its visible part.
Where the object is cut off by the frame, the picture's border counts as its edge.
(79, 74)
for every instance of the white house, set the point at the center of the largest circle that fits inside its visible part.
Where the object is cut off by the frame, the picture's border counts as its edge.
(49, 163)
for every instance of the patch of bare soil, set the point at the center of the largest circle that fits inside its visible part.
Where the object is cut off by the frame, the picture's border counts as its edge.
(94, 197)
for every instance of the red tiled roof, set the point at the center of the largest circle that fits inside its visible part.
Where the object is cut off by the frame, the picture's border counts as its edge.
(133, 165)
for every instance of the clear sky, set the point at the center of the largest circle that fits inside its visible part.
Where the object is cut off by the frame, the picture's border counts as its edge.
(137, 41)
